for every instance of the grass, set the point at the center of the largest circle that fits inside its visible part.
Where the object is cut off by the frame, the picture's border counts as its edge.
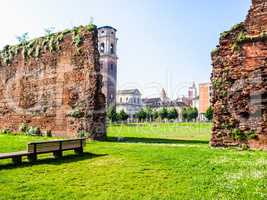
(153, 162)
(171, 131)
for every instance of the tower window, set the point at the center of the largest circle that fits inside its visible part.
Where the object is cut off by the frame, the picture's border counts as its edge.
(102, 47)
(111, 67)
(112, 48)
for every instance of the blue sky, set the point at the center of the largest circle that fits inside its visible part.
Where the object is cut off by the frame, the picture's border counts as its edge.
(162, 43)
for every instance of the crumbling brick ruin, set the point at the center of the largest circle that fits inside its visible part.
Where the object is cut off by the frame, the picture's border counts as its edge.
(239, 80)
(53, 83)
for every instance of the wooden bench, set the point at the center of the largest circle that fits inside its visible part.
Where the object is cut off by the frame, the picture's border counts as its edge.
(55, 146)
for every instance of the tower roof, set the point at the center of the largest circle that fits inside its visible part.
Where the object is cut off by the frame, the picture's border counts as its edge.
(108, 27)
(163, 95)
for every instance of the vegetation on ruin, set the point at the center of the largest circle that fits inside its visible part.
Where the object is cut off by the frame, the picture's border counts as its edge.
(222, 83)
(243, 37)
(33, 131)
(160, 161)
(83, 134)
(225, 34)
(25, 129)
(215, 51)
(50, 42)
(243, 136)
(76, 113)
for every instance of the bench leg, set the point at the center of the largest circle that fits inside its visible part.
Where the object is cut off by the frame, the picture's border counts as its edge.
(57, 154)
(78, 151)
(32, 157)
(17, 160)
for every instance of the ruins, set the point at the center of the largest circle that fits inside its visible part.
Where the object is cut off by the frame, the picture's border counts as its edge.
(239, 82)
(54, 83)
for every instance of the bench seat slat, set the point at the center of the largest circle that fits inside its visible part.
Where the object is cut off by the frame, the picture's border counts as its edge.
(42, 147)
(13, 154)
(54, 145)
(47, 147)
(52, 141)
(72, 144)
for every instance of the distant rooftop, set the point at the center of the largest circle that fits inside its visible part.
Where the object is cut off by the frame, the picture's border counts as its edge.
(132, 91)
(109, 27)
(157, 102)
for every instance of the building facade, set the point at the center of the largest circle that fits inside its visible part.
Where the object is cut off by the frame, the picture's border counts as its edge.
(164, 102)
(130, 101)
(204, 98)
(192, 94)
(107, 44)
(195, 102)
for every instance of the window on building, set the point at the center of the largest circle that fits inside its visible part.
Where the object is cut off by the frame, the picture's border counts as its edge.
(111, 48)
(111, 67)
(126, 99)
(121, 100)
(102, 47)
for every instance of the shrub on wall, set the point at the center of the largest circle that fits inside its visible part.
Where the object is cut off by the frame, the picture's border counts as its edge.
(33, 131)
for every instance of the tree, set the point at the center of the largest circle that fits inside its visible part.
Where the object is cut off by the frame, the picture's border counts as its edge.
(189, 114)
(23, 38)
(185, 114)
(112, 114)
(155, 114)
(209, 113)
(149, 113)
(192, 113)
(141, 115)
(163, 113)
(173, 114)
(123, 116)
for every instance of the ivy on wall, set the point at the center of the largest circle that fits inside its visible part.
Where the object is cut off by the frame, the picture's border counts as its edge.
(51, 43)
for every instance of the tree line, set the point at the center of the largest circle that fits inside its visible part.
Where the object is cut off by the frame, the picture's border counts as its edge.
(148, 114)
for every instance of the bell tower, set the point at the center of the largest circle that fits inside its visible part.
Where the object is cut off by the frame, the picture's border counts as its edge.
(107, 44)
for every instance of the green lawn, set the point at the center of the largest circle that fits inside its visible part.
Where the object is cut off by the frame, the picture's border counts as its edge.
(153, 162)
(172, 131)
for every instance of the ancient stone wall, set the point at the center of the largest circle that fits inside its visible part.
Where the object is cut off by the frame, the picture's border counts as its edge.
(53, 83)
(239, 81)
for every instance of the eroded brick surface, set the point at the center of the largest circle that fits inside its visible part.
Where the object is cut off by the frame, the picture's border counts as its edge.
(239, 81)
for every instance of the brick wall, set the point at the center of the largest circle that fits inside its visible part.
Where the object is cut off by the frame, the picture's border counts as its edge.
(54, 83)
(239, 81)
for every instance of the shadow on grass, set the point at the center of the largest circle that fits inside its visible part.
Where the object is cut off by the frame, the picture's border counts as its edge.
(53, 161)
(154, 140)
